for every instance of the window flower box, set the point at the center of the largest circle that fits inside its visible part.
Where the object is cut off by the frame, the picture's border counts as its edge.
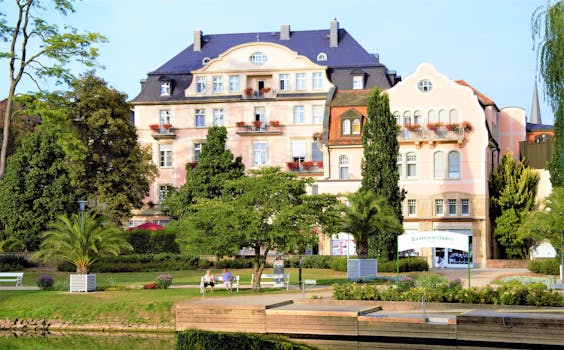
(167, 126)
(240, 124)
(275, 123)
(307, 165)
(293, 166)
(413, 127)
(434, 126)
(319, 164)
(265, 90)
(316, 136)
(257, 123)
(248, 91)
(452, 127)
(467, 126)
(154, 127)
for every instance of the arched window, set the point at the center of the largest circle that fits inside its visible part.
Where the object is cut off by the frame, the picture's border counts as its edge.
(400, 164)
(346, 127)
(454, 165)
(406, 117)
(439, 165)
(425, 85)
(417, 118)
(443, 116)
(411, 159)
(205, 60)
(322, 56)
(397, 115)
(343, 167)
(356, 127)
(432, 116)
(454, 117)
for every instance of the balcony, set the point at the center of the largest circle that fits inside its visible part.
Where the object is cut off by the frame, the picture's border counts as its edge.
(433, 134)
(264, 93)
(305, 167)
(257, 128)
(164, 131)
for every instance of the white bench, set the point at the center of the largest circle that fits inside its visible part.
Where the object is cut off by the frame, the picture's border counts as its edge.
(276, 280)
(12, 277)
(218, 281)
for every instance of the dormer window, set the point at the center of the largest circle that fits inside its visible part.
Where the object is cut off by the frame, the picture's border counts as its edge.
(322, 56)
(358, 82)
(205, 60)
(165, 88)
(257, 58)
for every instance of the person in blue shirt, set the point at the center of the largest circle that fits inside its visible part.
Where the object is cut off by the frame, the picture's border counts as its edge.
(227, 279)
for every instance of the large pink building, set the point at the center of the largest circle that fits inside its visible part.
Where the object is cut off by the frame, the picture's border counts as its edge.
(451, 137)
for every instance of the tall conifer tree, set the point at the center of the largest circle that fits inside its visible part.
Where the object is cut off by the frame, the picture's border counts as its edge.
(379, 168)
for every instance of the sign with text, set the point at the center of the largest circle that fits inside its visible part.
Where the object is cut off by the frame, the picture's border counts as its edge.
(429, 239)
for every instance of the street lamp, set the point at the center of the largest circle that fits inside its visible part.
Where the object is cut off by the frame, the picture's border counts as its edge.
(82, 206)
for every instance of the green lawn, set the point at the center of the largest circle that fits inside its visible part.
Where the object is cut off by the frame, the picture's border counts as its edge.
(131, 306)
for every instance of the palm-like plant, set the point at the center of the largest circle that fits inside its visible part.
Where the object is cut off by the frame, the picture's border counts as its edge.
(81, 241)
(368, 215)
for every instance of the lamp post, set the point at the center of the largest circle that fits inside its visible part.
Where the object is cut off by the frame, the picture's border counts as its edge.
(561, 252)
(82, 206)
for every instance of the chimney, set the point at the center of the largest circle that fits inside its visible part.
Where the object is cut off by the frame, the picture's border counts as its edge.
(285, 32)
(334, 33)
(197, 40)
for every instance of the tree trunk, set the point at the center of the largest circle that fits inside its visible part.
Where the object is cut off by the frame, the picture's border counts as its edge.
(362, 249)
(6, 130)
(82, 269)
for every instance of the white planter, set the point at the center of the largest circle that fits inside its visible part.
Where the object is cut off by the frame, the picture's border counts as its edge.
(83, 282)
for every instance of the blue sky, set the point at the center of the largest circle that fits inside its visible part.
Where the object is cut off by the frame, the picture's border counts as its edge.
(484, 42)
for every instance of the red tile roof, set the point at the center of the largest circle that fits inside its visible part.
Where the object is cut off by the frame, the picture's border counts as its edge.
(484, 100)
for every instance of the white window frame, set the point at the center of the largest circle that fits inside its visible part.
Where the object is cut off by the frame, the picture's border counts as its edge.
(284, 82)
(217, 84)
(399, 164)
(164, 117)
(165, 88)
(299, 150)
(234, 84)
(408, 162)
(425, 85)
(258, 58)
(465, 207)
(165, 190)
(260, 153)
(316, 81)
(322, 56)
(439, 207)
(218, 117)
(200, 114)
(451, 204)
(439, 165)
(344, 165)
(358, 82)
(346, 127)
(317, 114)
(412, 204)
(453, 170)
(300, 81)
(356, 126)
(299, 114)
(165, 156)
(197, 150)
(200, 85)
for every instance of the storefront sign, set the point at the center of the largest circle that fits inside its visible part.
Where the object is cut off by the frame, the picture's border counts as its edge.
(429, 239)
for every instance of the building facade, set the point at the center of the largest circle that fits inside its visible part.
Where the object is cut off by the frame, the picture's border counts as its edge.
(268, 89)
(451, 136)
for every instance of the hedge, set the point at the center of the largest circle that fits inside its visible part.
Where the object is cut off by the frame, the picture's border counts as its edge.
(545, 266)
(152, 242)
(201, 340)
(139, 263)
(14, 262)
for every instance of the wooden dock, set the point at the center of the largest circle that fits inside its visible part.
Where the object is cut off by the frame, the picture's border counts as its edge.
(336, 324)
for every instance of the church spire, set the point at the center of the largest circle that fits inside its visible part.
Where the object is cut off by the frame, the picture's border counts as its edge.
(535, 108)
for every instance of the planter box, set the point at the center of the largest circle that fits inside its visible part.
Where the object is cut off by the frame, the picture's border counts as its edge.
(83, 282)
(361, 268)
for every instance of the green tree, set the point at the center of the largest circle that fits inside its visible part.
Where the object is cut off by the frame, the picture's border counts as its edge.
(114, 169)
(512, 188)
(369, 215)
(81, 241)
(39, 49)
(548, 29)
(35, 189)
(268, 210)
(215, 166)
(379, 167)
(548, 222)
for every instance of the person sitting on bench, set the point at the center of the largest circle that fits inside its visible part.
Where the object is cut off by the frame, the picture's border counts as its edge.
(209, 281)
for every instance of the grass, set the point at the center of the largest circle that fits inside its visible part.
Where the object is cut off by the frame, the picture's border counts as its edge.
(131, 306)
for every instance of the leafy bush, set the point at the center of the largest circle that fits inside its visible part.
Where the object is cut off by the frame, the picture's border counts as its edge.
(45, 282)
(310, 262)
(238, 262)
(198, 339)
(405, 265)
(545, 266)
(339, 264)
(13, 262)
(152, 242)
(62, 285)
(164, 281)
(140, 263)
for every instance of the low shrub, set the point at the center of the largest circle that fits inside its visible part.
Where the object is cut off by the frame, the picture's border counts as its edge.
(545, 266)
(45, 282)
(238, 262)
(339, 264)
(198, 339)
(139, 263)
(164, 281)
(405, 265)
(13, 262)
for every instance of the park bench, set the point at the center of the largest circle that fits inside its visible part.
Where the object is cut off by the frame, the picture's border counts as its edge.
(276, 280)
(219, 283)
(12, 277)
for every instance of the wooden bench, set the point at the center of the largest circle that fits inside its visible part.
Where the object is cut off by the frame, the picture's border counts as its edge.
(276, 280)
(12, 277)
(218, 281)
